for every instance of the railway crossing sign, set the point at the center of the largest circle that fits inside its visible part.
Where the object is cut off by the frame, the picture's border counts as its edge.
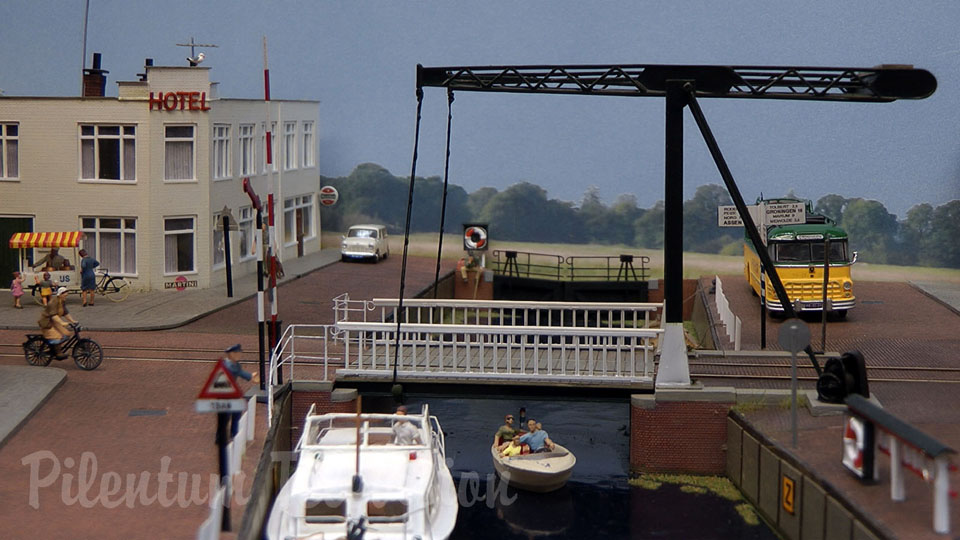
(220, 393)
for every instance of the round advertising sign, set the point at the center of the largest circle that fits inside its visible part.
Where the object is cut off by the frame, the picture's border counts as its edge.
(329, 196)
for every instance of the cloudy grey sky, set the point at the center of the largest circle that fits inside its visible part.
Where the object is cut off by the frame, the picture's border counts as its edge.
(358, 58)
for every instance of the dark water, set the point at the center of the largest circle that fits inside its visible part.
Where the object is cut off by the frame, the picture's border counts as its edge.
(597, 502)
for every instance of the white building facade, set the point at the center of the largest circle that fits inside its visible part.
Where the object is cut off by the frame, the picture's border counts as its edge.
(145, 175)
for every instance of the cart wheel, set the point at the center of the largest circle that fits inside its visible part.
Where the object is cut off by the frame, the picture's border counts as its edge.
(37, 352)
(87, 354)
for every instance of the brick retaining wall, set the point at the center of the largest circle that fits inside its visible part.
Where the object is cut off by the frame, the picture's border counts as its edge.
(678, 436)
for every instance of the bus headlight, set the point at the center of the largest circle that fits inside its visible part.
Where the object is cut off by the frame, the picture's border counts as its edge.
(847, 285)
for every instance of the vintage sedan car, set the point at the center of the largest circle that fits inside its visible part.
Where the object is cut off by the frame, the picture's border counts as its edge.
(365, 242)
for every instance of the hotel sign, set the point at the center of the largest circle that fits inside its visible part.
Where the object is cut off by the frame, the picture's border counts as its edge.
(178, 101)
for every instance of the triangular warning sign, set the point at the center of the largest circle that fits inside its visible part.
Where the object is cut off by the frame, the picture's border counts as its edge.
(220, 384)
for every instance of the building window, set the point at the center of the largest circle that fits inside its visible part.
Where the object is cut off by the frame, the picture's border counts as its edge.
(9, 151)
(246, 223)
(221, 151)
(179, 245)
(309, 154)
(178, 156)
(108, 152)
(246, 150)
(289, 145)
(263, 146)
(113, 242)
(297, 219)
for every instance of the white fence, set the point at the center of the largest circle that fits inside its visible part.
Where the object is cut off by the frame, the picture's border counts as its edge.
(210, 528)
(730, 321)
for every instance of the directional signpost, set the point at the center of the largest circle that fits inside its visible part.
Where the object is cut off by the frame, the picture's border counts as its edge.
(774, 213)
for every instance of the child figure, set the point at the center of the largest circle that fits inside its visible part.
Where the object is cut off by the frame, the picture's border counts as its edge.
(46, 288)
(513, 448)
(16, 288)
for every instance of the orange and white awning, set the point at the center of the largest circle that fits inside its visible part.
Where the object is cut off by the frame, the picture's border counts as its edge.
(69, 239)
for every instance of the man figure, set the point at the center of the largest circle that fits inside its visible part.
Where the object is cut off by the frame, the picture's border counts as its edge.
(232, 362)
(53, 322)
(404, 433)
(53, 260)
(537, 438)
(505, 434)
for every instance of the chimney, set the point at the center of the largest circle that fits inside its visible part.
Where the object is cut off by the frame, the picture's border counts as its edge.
(94, 79)
(146, 63)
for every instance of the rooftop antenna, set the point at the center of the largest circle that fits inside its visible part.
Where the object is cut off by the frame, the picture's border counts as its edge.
(195, 59)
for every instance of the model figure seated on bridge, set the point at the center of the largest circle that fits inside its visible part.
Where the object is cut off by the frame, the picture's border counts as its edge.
(470, 262)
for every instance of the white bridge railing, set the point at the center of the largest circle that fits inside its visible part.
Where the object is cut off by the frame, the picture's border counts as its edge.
(587, 343)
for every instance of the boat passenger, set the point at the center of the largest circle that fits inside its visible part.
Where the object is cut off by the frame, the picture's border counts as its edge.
(536, 438)
(511, 448)
(506, 433)
(405, 433)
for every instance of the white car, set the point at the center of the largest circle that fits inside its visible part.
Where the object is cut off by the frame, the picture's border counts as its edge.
(365, 242)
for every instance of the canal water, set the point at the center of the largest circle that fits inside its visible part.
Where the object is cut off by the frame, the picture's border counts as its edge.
(597, 502)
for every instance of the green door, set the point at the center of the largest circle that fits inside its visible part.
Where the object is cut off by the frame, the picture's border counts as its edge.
(8, 257)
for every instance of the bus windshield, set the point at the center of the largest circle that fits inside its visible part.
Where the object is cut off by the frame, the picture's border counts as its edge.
(808, 252)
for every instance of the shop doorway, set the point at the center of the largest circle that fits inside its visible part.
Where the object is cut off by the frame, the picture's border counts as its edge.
(8, 257)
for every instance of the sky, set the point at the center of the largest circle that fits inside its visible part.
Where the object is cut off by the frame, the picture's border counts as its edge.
(358, 59)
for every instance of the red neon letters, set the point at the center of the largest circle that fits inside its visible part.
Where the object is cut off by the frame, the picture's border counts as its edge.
(179, 101)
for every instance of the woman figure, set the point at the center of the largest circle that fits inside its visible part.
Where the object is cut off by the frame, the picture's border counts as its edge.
(88, 279)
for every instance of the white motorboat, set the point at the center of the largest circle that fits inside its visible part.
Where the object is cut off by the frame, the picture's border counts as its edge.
(541, 471)
(394, 484)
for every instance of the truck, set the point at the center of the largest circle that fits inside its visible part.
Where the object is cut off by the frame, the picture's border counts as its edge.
(797, 251)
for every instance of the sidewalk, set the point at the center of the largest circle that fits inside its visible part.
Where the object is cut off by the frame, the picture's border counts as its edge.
(159, 310)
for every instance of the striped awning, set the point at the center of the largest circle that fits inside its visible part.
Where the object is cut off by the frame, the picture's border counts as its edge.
(46, 239)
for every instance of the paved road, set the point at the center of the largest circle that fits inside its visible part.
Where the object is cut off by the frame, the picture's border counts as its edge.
(133, 415)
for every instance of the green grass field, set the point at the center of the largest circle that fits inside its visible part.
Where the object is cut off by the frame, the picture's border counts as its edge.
(695, 264)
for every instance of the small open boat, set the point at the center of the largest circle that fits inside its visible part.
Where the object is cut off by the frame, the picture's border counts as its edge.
(540, 472)
(382, 473)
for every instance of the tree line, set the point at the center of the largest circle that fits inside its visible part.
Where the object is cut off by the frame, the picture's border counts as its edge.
(524, 212)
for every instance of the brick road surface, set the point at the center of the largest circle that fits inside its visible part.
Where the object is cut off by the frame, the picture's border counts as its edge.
(90, 415)
(894, 325)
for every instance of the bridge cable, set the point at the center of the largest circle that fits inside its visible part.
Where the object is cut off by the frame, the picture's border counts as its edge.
(396, 389)
(446, 178)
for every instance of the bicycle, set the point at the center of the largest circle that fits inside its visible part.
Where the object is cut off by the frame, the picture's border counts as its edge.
(113, 287)
(86, 353)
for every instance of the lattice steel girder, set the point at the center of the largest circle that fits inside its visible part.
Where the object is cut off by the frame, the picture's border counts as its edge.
(877, 84)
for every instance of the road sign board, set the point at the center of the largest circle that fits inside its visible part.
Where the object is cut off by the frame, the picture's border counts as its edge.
(785, 213)
(221, 405)
(774, 214)
(220, 384)
(794, 335)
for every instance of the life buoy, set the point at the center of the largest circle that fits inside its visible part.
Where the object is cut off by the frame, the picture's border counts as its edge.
(475, 238)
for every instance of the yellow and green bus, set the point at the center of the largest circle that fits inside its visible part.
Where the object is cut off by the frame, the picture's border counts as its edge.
(797, 252)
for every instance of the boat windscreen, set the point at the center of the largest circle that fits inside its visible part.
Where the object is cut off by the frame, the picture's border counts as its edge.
(325, 510)
(387, 511)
